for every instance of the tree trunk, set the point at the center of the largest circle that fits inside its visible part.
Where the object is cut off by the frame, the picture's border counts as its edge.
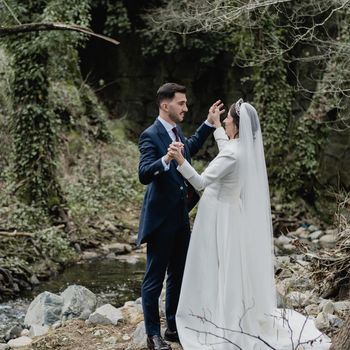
(342, 340)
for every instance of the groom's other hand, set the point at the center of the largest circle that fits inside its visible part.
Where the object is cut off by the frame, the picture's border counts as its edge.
(169, 156)
(215, 111)
(175, 151)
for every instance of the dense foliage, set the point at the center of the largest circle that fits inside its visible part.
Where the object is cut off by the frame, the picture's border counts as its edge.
(294, 58)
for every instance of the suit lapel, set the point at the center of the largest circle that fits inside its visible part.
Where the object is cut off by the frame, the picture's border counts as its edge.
(163, 135)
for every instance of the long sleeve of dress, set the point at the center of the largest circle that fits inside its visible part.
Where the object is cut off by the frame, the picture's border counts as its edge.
(221, 138)
(220, 166)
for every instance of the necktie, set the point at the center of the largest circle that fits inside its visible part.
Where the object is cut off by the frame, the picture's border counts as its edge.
(177, 139)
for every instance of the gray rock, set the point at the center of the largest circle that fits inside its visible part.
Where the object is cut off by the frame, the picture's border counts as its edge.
(79, 302)
(297, 299)
(289, 248)
(99, 333)
(108, 226)
(132, 239)
(316, 235)
(341, 307)
(328, 240)
(312, 228)
(333, 232)
(281, 304)
(14, 332)
(133, 312)
(282, 239)
(299, 231)
(45, 309)
(36, 330)
(111, 341)
(130, 259)
(34, 280)
(117, 248)
(19, 342)
(4, 347)
(335, 321)
(304, 235)
(328, 307)
(89, 255)
(106, 314)
(312, 309)
(322, 321)
(56, 325)
(138, 338)
(25, 332)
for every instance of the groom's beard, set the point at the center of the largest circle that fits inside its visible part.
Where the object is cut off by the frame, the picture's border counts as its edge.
(176, 118)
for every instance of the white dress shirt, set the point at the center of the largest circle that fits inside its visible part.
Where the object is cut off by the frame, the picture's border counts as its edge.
(168, 127)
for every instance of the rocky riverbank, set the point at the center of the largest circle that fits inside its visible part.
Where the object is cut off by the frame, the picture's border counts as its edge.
(72, 319)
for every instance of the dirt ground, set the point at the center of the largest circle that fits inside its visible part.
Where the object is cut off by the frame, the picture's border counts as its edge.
(76, 334)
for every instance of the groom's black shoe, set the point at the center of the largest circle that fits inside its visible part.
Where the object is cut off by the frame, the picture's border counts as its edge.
(156, 342)
(171, 336)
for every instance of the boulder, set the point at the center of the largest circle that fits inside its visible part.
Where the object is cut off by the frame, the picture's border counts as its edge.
(79, 302)
(45, 309)
(106, 314)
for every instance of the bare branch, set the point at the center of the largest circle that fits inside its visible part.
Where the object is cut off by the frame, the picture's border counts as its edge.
(47, 26)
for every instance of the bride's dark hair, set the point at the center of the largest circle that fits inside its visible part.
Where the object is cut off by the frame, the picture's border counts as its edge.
(252, 115)
(235, 116)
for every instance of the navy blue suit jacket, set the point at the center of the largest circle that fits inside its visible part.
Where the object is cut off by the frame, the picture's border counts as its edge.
(165, 189)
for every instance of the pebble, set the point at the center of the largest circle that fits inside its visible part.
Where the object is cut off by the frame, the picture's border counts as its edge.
(312, 228)
(328, 240)
(316, 235)
(19, 342)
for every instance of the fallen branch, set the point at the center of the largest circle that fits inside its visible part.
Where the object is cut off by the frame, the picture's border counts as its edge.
(16, 234)
(48, 26)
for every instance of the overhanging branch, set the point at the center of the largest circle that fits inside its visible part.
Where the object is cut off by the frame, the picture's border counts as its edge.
(47, 26)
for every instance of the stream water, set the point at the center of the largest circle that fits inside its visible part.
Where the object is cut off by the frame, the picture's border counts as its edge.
(113, 281)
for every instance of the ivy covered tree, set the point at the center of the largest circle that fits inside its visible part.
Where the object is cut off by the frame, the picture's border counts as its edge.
(50, 97)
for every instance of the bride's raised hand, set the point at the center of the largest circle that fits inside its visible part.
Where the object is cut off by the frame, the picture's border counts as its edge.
(215, 112)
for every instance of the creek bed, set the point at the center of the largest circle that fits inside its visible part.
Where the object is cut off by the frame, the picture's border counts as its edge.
(113, 281)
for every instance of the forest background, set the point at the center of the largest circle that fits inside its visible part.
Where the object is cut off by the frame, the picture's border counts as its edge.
(72, 107)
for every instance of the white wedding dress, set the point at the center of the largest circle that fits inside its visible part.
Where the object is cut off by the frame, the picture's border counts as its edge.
(228, 283)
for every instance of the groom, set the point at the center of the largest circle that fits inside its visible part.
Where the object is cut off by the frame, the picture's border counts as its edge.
(164, 222)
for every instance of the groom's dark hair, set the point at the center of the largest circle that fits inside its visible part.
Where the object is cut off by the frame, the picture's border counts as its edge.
(167, 91)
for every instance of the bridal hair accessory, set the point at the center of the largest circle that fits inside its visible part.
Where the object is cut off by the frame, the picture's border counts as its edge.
(238, 106)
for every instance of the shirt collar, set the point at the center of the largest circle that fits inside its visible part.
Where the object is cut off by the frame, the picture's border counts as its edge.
(168, 127)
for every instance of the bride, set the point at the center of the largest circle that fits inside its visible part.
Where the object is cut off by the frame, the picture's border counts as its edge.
(228, 297)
